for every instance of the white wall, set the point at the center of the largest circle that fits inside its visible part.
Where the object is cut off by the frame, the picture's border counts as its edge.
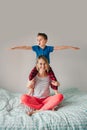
(65, 23)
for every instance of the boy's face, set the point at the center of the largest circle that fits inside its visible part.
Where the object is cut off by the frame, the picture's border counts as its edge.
(41, 41)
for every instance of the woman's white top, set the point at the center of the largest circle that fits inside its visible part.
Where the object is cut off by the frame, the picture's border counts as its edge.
(42, 89)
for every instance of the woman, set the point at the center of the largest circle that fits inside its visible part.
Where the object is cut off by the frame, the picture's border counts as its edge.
(41, 99)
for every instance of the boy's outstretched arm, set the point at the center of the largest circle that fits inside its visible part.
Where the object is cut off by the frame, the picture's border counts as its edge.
(22, 47)
(65, 47)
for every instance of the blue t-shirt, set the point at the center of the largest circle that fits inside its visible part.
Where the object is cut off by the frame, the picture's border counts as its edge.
(45, 52)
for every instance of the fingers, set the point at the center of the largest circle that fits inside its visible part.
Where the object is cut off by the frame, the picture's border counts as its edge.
(31, 83)
(12, 48)
(75, 48)
(55, 83)
(9, 49)
(78, 48)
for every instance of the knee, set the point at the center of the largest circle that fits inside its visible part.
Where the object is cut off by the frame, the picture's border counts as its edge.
(60, 96)
(24, 98)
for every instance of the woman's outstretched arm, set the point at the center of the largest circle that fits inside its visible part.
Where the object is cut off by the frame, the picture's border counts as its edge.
(21, 47)
(65, 47)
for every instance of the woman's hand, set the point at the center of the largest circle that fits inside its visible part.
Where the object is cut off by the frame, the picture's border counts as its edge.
(56, 92)
(31, 84)
(55, 83)
(31, 91)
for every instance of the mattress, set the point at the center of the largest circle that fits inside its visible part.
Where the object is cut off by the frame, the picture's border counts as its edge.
(71, 114)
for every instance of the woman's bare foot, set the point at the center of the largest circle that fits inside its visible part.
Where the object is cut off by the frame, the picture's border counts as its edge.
(32, 112)
(55, 108)
(29, 113)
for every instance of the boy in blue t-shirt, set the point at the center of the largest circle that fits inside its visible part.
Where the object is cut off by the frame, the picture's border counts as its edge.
(43, 49)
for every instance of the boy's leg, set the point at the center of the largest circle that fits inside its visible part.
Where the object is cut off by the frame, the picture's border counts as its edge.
(52, 77)
(52, 101)
(33, 73)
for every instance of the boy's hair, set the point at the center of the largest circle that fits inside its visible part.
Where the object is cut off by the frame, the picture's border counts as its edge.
(45, 59)
(43, 35)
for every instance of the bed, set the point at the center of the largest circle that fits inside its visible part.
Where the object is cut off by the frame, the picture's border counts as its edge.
(71, 114)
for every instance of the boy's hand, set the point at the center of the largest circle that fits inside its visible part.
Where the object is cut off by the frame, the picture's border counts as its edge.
(75, 48)
(12, 48)
(55, 83)
(17, 47)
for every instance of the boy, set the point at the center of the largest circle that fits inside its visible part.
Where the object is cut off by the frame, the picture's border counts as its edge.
(42, 49)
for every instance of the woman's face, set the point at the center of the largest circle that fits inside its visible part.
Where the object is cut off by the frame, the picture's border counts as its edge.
(41, 65)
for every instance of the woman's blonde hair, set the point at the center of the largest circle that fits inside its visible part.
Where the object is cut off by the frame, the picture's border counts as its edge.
(46, 61)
